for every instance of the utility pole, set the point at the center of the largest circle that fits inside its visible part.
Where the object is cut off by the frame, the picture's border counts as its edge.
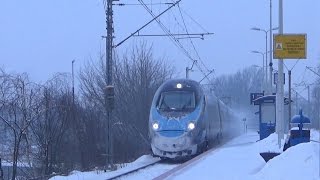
(109, 90)
(289, 120)
(271, 51)
(280, 88)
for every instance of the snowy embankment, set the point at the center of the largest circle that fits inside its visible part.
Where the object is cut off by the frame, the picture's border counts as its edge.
(100, 174)
(298, 162)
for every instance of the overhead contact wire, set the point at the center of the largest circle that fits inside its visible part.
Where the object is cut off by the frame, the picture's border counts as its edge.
(176, 42)
(191, 40)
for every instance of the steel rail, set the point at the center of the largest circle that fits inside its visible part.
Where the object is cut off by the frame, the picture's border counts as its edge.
(134, 170)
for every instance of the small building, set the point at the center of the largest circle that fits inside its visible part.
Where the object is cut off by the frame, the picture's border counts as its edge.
(267, 114)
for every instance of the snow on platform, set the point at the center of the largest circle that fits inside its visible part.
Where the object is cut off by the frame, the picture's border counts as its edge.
(240, 159)
(234, 160)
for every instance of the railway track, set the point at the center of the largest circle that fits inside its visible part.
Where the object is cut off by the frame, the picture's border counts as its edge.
(134, 170)
(185, 164)
(167, 169)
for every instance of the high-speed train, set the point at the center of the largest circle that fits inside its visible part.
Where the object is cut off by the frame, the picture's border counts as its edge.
(186, 120)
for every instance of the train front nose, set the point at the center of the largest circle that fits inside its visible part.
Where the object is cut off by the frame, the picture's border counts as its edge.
(171, 140)
(173, 143)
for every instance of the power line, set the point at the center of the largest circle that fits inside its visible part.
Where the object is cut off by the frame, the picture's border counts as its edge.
(302, 82)
(304, 73)
(154, 19)
(195, 21)
(293, 65)
(191, 39)
(173, 39)
(177, 22)
(178, 34)
(313, 71)
(135, 4)
(299, 93)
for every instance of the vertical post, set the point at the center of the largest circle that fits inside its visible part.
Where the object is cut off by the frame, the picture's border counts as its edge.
(271, 51)
(280, 89)
(187, 73)
(109, 61)
(190, 69)
(108, 143)
(297, 107)
(109, 41)
(1, 171)
(309, 105)
(289, 118)
(264, 81)
(266, 68)
(72, 83)
(73, 101)
(244, 125)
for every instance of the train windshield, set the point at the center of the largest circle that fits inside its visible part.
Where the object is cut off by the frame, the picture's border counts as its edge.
(177, 101)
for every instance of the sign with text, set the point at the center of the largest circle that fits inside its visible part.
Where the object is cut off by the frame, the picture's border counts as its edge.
(254, 96)
(290, 46)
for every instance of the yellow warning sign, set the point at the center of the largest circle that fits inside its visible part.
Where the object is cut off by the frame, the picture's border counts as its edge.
(279, 46)
(290, 46)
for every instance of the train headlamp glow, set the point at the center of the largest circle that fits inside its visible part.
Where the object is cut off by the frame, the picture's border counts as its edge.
(179, 86)
(191, 126)
(155, 126)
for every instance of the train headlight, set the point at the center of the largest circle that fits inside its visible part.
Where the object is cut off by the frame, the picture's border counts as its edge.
(155, 126)
(191, 126)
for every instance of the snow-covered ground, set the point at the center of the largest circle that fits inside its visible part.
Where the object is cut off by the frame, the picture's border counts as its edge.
(237, 159)
(240, 159)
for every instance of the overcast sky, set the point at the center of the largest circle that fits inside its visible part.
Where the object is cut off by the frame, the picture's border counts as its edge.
(43, 37)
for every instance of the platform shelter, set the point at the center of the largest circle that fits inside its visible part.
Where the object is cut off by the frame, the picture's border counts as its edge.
(267, 114)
